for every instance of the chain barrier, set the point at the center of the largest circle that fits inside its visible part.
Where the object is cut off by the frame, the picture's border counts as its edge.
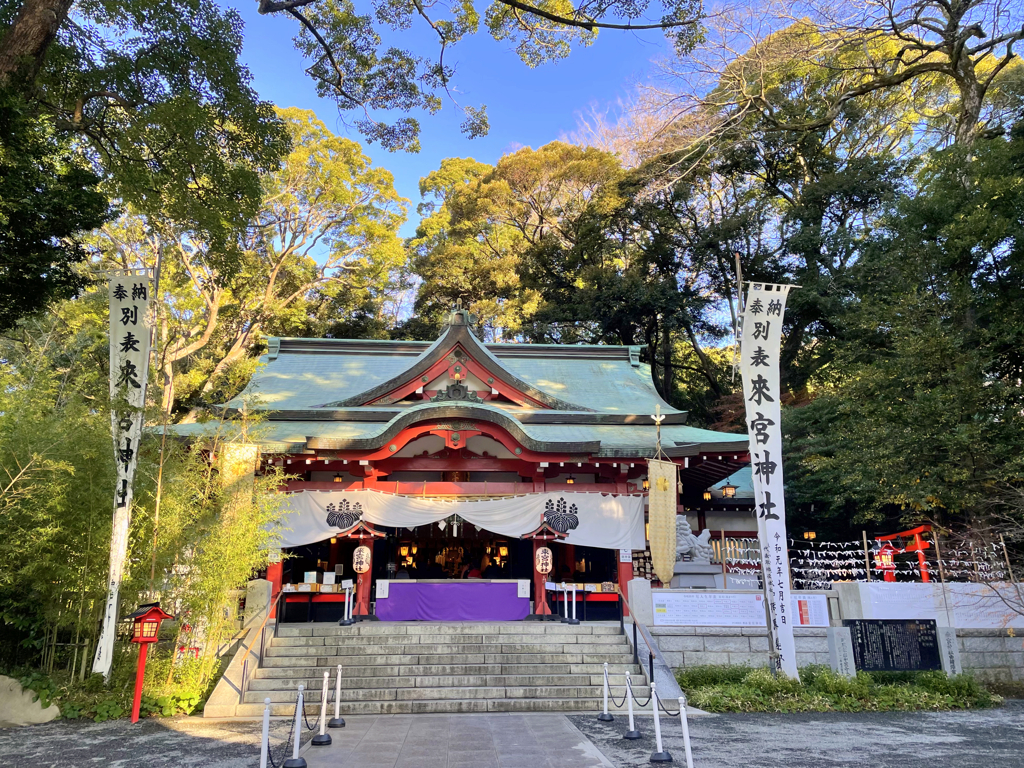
(306, 718)
(662, 705)
(629, 691)
(617, 704)
(287, 744)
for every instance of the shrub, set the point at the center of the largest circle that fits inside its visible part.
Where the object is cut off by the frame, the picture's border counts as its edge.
(742, 689)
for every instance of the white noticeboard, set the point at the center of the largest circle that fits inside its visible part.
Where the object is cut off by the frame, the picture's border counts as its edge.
(711, 609)
(523, 588)
(811, 611)
(625, 555)
(714, 609)
(383, 588)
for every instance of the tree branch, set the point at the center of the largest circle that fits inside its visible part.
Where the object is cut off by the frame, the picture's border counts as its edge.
(591, 25)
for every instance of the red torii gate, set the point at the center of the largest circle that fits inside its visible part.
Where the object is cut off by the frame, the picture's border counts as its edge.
(918, 545)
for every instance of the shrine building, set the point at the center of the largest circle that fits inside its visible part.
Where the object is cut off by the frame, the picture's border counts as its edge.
(457, 460)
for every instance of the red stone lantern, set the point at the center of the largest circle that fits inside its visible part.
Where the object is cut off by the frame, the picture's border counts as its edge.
(885, 561)
(146, 630)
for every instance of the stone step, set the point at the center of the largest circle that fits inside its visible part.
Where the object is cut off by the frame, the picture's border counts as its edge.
(434, 681)
(364, 672)
(431, 706)
(410, 640)
(373, 649)
(439, 694)
(444, 658)
(368, 628)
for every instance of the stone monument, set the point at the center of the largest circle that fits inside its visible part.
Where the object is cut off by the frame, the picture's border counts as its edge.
(693, 558)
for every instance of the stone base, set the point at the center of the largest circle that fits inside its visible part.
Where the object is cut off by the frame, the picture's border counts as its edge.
(696, 575)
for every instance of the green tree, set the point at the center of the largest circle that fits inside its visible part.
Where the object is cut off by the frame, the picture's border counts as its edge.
(483, 220)
(920, 415)
(353, 55)
(328, 226)
(141, 103)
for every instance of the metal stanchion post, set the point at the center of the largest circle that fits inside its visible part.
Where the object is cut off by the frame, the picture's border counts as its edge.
(632, 734)
(347, 620)
(323, 738)
(295, 761)
(661, 756)
(604, 717)
(265, 738)
(573, 620)
(565, 603)
(686, 731)
(337, 721)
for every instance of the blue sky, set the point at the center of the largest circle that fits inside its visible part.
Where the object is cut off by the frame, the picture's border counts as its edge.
(526, 107)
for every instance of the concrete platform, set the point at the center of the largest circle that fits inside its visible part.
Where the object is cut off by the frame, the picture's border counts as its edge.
(457, 741)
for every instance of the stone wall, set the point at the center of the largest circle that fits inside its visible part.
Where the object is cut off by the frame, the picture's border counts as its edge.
(989, 654)
(692, 646)
(992, 654)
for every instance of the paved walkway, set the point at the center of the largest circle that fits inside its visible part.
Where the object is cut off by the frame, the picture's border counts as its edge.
(457, 741)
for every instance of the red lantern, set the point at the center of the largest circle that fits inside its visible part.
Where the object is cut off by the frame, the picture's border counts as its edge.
(146, 630)
(885, 561)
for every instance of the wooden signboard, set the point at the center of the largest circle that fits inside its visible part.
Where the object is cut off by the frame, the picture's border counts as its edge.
(894, 645)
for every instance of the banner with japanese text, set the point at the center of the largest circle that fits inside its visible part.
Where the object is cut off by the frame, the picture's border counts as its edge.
(129, 297)
(760, 347)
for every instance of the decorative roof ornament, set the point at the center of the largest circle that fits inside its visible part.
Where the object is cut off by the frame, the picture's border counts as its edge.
(460, 316)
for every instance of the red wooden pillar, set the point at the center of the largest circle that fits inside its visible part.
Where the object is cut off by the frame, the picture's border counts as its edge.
(625, 573)
(362, 606)
(275, 574)
(540, 594)
(364, 535)
(922, 561)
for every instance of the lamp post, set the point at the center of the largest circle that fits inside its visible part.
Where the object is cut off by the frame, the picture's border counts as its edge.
(146, 631)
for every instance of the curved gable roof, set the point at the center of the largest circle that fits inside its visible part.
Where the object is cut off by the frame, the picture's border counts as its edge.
(457, 335)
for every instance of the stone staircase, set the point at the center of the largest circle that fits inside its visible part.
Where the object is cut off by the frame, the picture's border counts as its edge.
(399, 668)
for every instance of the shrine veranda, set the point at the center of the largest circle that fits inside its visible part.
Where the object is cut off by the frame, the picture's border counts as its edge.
(444, 459)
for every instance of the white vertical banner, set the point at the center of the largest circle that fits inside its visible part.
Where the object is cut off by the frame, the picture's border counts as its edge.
(760, 347)
(129, 297)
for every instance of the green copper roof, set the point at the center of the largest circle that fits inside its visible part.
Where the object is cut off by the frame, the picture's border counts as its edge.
(299, 374)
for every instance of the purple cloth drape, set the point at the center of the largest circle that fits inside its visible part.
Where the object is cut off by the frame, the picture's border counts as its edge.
(453, 602)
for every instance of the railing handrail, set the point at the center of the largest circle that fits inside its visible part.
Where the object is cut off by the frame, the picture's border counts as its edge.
(643, 630)
(270, 610)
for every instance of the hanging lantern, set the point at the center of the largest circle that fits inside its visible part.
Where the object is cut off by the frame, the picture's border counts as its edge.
(338, 478)
(707, 495)
(729, 490)
(544, 560)
(361, 559)
(646, 484)
(404, 551)
(503, 551)
(415, 549)
(570, 480)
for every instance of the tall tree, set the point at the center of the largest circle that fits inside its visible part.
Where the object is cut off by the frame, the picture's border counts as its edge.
(484, 219)
(921, 414)
(328, 225)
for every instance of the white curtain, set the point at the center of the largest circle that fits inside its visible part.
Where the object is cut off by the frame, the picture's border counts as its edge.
(589, 519)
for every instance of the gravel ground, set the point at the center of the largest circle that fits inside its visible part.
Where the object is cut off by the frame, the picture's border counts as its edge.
(982, 739)
(978, 739)
(152, 743)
